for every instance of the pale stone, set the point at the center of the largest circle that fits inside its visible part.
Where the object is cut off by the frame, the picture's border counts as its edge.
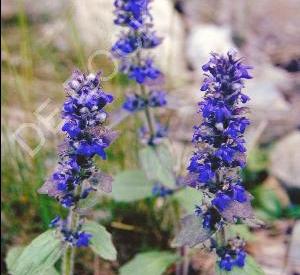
(285, 160)
(94, 22)
(204, 39)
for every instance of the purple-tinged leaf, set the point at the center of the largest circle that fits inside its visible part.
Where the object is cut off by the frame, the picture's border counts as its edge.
(101, 181)
(253, 222)
(238, 210)
(190, 180)
(192, 232)
(64, 148)
(102, 132)
(49, 188)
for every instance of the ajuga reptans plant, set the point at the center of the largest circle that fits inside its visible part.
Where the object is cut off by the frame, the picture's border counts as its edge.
(219, 156)
(76, 175)
(131, 49)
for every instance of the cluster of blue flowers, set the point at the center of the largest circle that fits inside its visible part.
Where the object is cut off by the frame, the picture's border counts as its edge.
(77, 237)
(136, 102)
(215, 165)
(232, 255)
(132, 41)
(143, 73)
(132, 13)
(160, 190)
(161, 132)
(84, 117)
(135, 16)
(138, 35)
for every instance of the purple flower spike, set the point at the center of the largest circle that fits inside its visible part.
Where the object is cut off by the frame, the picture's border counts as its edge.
(219, 138)
(220, 151)
(86, 136)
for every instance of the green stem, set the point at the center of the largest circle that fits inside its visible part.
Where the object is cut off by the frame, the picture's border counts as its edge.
(148, 114)
(68, 259)
(69, 255)
(221, 237)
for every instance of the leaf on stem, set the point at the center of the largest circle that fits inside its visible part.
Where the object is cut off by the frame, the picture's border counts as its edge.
(192, 232)
(149, 263)
(131, 185)
(238, 210)
(38, 257)
(156, 165)
(101, 241)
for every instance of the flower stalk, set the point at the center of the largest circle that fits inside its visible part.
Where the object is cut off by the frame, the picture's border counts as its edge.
(219, 156)
(76, 175)
(130, 48)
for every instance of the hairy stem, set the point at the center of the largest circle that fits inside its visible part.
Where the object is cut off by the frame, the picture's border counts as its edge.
(149, 117)
(69, 255)
(148, 114)
(182, 267)
(68, 259)
(186, 262)
(221, 236)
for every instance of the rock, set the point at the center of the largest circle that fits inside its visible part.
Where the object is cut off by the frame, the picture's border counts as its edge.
(170, 54)
(268, 107)
(204, 39)
(293, 264)
(185, 101)
(199, 11)
(265, 87)
(285, 160)
(276, 38)
(94, 21)
(270, 248)
(36, 10)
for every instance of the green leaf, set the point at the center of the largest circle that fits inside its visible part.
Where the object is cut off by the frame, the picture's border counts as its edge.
(165, 156)
(156, 166)
(12, 255)
(264, 215)
(101, 242)
(240, 230)
(92, 199)
(257, 160)
(292, 211)
(188, 198)
(267, 201)
(250, 268)
(149, 263)
(50, 271)
(39, 256)
(130, 186)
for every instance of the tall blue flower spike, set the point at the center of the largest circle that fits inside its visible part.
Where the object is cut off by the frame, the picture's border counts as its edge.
(219, 139)
(84, 116)
(138, 36)
(220, 154)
